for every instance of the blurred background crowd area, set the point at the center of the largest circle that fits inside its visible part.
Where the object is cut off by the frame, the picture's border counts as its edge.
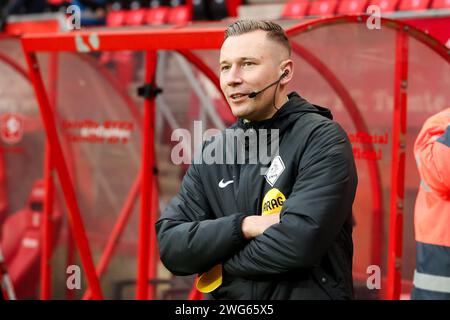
(157, 12)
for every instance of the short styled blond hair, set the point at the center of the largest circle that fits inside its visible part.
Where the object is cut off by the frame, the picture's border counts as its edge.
(274, 31)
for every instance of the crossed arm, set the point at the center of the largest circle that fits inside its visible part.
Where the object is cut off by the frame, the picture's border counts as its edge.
(253, 246)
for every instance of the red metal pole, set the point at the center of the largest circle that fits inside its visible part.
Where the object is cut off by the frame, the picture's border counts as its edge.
(154, 257)
(398, 168)
(194, 294)
(63, 175)
(117, 232)
(46, 239)
(46, 229)
(145, 227)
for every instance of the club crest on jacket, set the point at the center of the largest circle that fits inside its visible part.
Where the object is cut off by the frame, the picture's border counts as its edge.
(275, 170)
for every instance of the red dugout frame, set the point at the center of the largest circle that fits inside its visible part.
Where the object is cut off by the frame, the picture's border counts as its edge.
(183, 40)
(13, 30)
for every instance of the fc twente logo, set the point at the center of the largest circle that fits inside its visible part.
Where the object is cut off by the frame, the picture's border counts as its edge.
(11, 127)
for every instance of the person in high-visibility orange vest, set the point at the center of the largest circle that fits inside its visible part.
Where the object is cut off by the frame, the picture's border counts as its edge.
(432, 209)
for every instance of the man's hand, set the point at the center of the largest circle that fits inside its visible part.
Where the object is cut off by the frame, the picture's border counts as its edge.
(253, 226)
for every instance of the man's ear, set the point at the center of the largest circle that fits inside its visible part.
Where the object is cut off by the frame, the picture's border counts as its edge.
(287, 72)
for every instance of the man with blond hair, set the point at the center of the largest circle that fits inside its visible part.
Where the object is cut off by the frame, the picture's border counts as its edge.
(278, 232)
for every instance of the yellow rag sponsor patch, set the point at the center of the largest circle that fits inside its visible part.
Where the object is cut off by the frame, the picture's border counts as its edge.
(212, 279)
(272, 202)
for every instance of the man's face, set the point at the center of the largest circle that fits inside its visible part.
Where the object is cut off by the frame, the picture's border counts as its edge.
(249, 62)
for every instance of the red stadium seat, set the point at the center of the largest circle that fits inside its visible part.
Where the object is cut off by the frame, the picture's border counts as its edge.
(352, 6)
(179, 15)
(295, 9)
(21, 242)
(116, 18)
(441, 4)
(232, 6)
(157, 16)
(323, 8)
(135, 17)
(385, 5)
(414, 5)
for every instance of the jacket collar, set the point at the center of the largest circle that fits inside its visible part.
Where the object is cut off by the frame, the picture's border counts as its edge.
(287, 114)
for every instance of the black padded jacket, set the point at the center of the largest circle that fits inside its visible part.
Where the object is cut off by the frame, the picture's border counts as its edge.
(308, 255)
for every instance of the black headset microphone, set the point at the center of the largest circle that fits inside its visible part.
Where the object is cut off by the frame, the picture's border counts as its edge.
(253, 94)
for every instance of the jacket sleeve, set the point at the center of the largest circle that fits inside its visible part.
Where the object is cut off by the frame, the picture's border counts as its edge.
(190, 239)
(432, 152)
(313, 214)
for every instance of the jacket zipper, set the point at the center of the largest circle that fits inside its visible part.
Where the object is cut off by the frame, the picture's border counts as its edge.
(243, 185)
